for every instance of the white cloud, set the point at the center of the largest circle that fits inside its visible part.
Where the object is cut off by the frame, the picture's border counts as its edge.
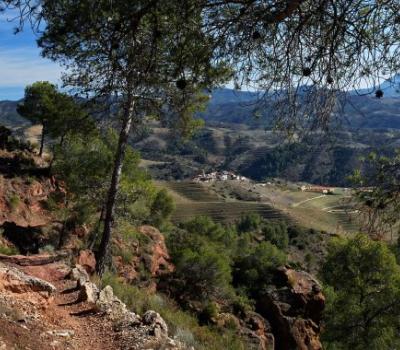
(21, 66)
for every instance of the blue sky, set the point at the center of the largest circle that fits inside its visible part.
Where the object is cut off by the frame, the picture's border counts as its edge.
(20, 62)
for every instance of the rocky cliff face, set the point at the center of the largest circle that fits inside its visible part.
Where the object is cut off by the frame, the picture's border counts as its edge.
(24, 192)
(149, 253)
(293, 308)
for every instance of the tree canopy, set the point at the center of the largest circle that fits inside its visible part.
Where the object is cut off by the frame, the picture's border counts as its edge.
(57, 112)
(363, 281)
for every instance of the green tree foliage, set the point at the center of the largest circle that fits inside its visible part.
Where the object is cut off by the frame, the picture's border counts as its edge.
(277, 234)
(253, 269)
(249, 222)
(162, 207)
(234, 258)
(204, 273)
(204, 226)
(57, 112)
(154, 57)
(378, 194)
(201, 252)
(39, 106)
(363, 291)
(83, 162)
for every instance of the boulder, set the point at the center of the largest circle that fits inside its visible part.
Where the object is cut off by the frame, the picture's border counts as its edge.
(261, 330)
(294, 308)
(79, 274)
(87, 260)
(89, 293)
(15, 281)
(111, 305)
(156, 324)
(51, 272)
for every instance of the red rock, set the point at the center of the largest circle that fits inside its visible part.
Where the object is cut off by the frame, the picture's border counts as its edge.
(87, 259)
(80, 231)
(294, 310)
(50, 273)
(32, 260)
(126, 271)
(158, 260)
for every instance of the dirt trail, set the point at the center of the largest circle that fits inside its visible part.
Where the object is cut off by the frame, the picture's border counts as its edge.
(308, 200)
(91, 331)
(60, 323)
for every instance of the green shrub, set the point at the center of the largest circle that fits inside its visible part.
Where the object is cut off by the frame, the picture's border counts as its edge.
(5, 250)
(13, 202)
(124, 253)
(161, 208)
(129, 233)
(181, 325)
(276, 233)
(48, 248)
(209, 313)
(253, 271)
(362, 281)
(204, 274)
(249, 223)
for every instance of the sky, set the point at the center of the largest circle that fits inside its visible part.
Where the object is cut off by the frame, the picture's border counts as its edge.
(20, 61)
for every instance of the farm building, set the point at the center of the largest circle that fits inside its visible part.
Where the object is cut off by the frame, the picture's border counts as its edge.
(318, 189)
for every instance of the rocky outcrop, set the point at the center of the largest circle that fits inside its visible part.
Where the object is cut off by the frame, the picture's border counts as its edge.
(252, 328)
(21, 202)
(147, 332)
(157, 261)
(149, 254)
(293, 308)
(15, 281)
(32, 260)
(257, 331)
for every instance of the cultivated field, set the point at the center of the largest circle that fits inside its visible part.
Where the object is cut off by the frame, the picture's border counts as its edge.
(229, 200)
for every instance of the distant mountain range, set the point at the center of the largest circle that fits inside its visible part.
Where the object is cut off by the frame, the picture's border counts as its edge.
(363, 109)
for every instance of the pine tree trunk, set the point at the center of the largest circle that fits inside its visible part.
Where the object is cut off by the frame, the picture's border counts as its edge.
(103, 251)
(41, 142)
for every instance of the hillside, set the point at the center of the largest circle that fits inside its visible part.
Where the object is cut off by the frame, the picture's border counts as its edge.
(227, 201)
(51, 297)
(233, 140)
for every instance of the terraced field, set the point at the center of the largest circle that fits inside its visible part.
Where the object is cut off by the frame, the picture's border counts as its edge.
(347, 222)
(322, 212)
(191, 191)
(225, 211)
(195, 199)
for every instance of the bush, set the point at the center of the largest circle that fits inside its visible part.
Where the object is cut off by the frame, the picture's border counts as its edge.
(204, 274)
(249, 223)
(205, 227)
(276, 233)
(253, 271)
(181, 325)
(161, 208)
(6, 250)
(13, 202)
